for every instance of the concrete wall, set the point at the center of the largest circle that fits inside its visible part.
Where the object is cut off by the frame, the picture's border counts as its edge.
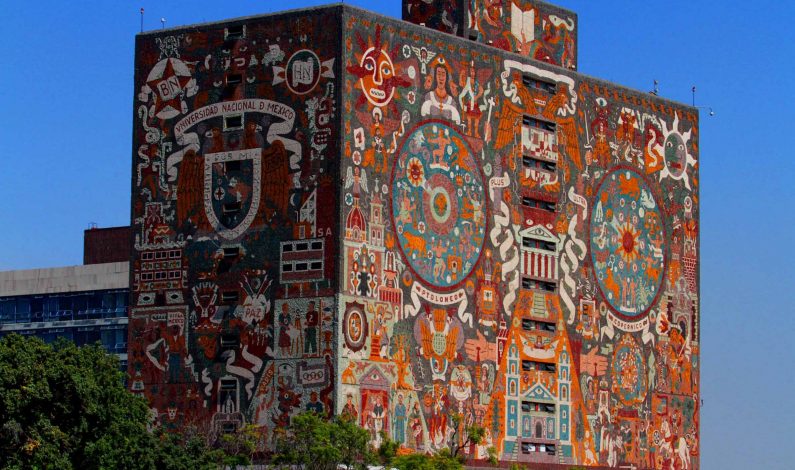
(234, 169)
(65, 279)
(519, 247)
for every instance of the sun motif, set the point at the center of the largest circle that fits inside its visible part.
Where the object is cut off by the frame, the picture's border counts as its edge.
(379, 79)
(676, 154)
(415, 172)
(628, 243)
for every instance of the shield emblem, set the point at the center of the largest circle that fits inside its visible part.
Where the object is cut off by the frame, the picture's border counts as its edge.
(232, 190)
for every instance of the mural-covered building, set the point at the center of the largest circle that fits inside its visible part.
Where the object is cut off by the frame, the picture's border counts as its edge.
(341, 212)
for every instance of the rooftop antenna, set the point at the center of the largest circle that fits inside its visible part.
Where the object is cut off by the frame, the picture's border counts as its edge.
(163, 22)
(711, 111)
(656, 90)
(142, 19)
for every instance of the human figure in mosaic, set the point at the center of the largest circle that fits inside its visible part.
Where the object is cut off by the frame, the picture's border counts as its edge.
(310, 329)
(399, 417)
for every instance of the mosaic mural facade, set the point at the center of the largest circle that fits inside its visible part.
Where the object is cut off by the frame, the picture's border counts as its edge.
(375, 219)
(534, 29)
(236, 137)
(528, 242)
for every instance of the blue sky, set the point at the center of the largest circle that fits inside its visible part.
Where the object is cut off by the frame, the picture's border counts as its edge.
(66, 96)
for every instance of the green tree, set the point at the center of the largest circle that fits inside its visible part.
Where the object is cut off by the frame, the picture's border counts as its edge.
(320, 444)
(66, 407)
(464, 435)
(443, 460)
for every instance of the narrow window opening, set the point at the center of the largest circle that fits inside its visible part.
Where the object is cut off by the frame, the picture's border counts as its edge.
(231, 252)
(233, 122)
(231, 208)
(228, 341)
(231, 296)
(234, 79)
(531, 162)
(538, 204)
(529, 242)
(539, 84)
(538, 123)
(235, 32)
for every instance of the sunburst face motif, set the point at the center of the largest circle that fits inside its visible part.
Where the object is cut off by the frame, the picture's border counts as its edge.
(378, 77)
(415, 172)
(676, 154)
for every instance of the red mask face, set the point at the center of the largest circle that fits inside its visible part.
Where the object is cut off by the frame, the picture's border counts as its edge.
(377, 78)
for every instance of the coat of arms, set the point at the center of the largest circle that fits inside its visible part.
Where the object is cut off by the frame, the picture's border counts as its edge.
(232, 184)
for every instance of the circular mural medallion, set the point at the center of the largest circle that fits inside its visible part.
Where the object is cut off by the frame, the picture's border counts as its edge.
(302, 72)
(629, 372)
(354, 326)
(438, 205)
(627, 243)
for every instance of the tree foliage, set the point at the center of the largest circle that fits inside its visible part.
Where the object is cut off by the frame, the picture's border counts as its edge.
(315, 443)
(442, 460)
(66, 407)
(320, 444)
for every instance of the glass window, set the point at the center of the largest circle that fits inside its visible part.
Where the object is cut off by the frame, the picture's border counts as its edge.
(95, 300)
(37, 305)
(23, 305)
(80, 302)
(108, 301)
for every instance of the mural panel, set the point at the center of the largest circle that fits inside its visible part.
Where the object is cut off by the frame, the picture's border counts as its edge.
(537, 269)
(517, 245)
(232, 318)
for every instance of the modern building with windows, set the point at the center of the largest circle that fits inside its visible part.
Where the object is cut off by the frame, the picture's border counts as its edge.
(404, 221)
(85, 304)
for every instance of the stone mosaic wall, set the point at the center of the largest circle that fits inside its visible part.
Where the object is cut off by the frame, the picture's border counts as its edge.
(533, 29)
(339, 212)
(519, 247)
(236, 144)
